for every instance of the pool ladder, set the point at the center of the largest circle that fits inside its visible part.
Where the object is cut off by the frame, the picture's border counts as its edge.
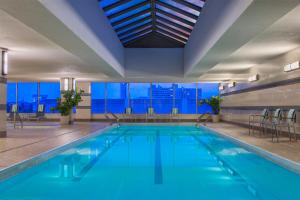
(201, 117)
(115, 117)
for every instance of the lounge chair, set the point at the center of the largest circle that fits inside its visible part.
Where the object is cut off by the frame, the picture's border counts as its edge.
(150, 114)
(274, 123)
(40, 114)
(174, 114)
(127, 116)
(14, 115)
(258, 120)
(289, 123)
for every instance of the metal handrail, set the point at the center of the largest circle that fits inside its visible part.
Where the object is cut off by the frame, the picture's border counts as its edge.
(201, 117)
(114, 116)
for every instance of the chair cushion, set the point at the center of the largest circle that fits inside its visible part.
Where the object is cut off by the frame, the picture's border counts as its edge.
(41, 108)
(278, 113)
(291, 116)
(150, 111)
(265, 113)
(174, 111)
(14, 108)
(128, 111)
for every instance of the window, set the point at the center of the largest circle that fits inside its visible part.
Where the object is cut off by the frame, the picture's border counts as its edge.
(49, 92)
(117, 99)
(205, 91)
(185, 97)
(11, 95)
(27, 97)
(98, 97)
(139, 97)
(162, 97)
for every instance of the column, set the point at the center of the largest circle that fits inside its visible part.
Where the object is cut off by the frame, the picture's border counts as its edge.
(3, 80)
(3, 120)
(83, 110)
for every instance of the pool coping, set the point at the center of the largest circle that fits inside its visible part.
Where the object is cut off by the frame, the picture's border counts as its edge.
(16, 168)
(275, 158)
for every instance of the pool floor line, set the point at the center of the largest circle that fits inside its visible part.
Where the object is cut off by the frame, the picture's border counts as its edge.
(92, 163)
(158, 176)
(225, 165)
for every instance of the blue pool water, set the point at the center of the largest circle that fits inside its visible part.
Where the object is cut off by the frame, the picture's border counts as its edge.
(154, 162)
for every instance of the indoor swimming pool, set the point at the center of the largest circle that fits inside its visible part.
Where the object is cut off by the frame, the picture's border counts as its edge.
(154, 162)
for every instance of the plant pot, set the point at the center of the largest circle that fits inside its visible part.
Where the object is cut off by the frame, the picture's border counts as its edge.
(66, 120)
(215, 118)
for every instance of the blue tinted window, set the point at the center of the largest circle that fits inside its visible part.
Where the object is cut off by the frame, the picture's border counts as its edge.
(98, 97)
(49, 92)
(117, 99)
(134, 26)
(105, 3)
(123, 7)
(11, 95)
(136, 36)
(136, 32)
(139, 97)
(127, 14)
(162, 97)
(132, 20)
(27, 97)
(186, 97)
(205, 91)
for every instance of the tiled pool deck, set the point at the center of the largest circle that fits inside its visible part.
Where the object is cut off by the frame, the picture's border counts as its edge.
(284, 148)
(37, 138)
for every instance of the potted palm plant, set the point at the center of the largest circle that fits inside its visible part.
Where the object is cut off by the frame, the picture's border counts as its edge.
(65, 105)
(214, 102)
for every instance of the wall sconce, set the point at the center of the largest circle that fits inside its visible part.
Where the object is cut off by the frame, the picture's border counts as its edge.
(292, 66)
(231, 85)
(4, 62)
(253, 78)
(66, 84)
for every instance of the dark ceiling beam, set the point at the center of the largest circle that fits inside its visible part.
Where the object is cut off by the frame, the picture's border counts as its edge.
(143, 12)
(170, 38)
(175, 17)
(135, 29)
(175, 9)
(173, 29)
(153, 13)
(133, 23)
(114, 5)
(189, 5)
(174, 24)
(127, 43)
(128, 9)
(171, 34)
(136, 35)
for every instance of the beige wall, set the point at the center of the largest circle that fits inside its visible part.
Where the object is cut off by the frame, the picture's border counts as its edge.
(288, 95)
(275, 89)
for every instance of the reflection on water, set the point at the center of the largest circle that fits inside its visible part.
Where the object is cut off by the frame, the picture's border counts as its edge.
(154, 162)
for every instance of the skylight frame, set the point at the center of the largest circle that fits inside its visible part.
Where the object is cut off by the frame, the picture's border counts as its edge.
(133, 19)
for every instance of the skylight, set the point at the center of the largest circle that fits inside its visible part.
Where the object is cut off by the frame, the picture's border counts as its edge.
(135, 19)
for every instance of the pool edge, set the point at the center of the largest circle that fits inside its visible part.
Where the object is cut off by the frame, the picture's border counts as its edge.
(13, 170)
(277, 159)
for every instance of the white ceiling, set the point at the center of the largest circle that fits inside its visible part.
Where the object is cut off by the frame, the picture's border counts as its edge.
(281, 37)
(31, 55)
(45, 46)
